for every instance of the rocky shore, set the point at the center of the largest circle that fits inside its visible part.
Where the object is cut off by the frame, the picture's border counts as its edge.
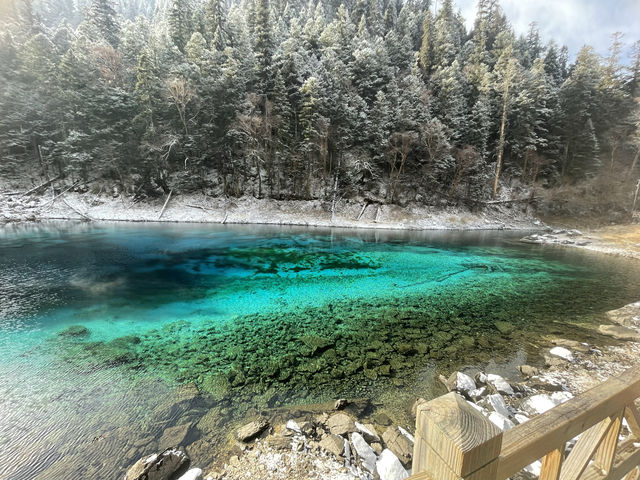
(343, 442)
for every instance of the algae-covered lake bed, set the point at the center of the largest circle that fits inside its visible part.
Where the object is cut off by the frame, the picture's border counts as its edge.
(117, 339)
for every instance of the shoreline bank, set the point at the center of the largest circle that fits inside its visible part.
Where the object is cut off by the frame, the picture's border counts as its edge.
(248, 210)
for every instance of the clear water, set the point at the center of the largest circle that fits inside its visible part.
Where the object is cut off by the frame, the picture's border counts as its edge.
(107, 332)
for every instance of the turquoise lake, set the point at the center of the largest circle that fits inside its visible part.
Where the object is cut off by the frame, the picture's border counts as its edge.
(113, 334)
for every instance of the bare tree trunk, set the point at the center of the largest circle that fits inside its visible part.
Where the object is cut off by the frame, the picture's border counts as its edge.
(503, 122)
(635, 161)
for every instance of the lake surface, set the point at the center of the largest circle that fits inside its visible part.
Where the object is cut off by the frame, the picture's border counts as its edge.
(112, 336)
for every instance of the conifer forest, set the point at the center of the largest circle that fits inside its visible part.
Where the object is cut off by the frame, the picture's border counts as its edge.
(396, 101)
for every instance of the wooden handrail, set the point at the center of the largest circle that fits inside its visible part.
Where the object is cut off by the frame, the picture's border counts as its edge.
(596, 414)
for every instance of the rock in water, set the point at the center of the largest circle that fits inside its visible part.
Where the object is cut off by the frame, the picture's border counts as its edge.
(563, 353)
(505, 328)
(341, 424)
(251, 430)
(627, 316)
(157, 466)
(498, 404)
(333, 444)
(399, 444)
(620, 333)
(389, 467)
(364, 452)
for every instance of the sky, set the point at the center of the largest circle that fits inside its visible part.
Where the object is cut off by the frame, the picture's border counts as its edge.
(570, 22)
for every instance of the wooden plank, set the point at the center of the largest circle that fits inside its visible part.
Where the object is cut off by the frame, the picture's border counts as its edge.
(419, 453)
(552, 463)
(633, 419)
(460, 435)
(582, 453)
(633, 474)
(531, 440)
(439, 469)
(626, 460)
(603, 458)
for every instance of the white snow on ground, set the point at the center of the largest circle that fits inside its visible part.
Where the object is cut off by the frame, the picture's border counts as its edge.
(197, 208)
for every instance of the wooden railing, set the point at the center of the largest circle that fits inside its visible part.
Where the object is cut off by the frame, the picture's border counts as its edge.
(454, 441)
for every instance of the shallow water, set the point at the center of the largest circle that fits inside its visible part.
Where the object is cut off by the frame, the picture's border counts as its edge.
(256, 318)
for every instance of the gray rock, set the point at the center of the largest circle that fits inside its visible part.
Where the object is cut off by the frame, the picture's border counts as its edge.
(478, 393)
(192, 474)
(497, 404)
(251, 430)
(500, 384)
(627, 316)
(333, 444)
(399, 444)
(459, 382)
(368, 431)
(364, 452)
(293, 426)
(528, 371)
(619, 332)
(500, 421)
(340, 404)
(562, 353)
(157, 466)
(389, 467)
(341, 424)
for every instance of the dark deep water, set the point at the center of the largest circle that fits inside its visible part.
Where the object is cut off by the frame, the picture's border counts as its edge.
(110, 334)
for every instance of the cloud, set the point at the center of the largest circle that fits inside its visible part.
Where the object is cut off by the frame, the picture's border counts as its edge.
(570, 22)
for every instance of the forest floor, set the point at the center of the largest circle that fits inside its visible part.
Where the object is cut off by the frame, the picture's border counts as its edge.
(201, 209)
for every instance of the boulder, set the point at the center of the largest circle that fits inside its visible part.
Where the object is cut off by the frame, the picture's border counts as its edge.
(192, 474)
(497, 404)
(500, 384)
(399, 444)
(279, 442)
(341, 424)
(389, 467)
(544, 383)
(459, 382)
(528, 371)
(478, 393)
(368, 431)
(382, 419)
(333, 444)
(562, 353)
(157, 466)
(340, 404)
(364, 452)
(627, 316)
(251, 430)
(619, 332)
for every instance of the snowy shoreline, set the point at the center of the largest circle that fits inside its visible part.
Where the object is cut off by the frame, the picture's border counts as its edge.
(247, 210)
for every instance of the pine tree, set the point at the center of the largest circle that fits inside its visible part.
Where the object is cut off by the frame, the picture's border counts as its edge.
(180, 21)
(426, 48)
(104, 21)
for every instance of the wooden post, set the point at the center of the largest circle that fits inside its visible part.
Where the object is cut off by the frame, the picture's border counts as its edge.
(454, 441)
